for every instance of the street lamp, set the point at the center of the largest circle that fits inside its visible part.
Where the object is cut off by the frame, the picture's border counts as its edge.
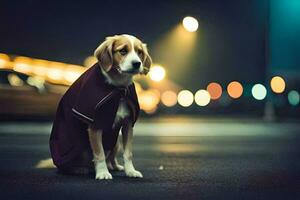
(190, 24)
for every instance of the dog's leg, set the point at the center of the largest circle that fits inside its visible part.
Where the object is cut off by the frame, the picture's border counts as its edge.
(112, 162)
(127, 134)
(95, 137)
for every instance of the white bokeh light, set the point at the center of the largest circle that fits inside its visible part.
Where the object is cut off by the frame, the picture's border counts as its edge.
(185, 98)
(157, 73)
(202, 98)
(190, 24)
(259, 91)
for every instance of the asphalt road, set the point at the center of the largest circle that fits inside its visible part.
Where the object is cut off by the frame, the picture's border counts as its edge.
(239, 161)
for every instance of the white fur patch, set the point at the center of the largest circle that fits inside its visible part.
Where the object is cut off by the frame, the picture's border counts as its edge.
(131, 56)
(101, 170)
(122, 113)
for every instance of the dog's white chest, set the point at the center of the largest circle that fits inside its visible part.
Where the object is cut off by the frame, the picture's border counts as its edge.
(122, 112)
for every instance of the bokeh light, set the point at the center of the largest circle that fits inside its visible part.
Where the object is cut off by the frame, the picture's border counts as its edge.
(90, 61)
(15, 80)
(259, 91)
(37, 82)
(185, 98)
(157, 73)
(235, 89)
(55, 74)
(215, 90)
(148, 100)
(202, 97)
(23, 64)
(138, 87)
(169, 98)
(190, 24)
(4, 59)
(277, 84)
(71, 76)
(294, 97)
(40, 67)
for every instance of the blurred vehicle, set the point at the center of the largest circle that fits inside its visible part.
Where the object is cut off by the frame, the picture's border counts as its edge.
(27, 97)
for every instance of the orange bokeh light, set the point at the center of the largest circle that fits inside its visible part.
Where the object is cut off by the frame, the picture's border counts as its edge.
(148, 100)
(235, 89)
(4, 60)
(277, 84)
(215, 90)
(169, 98)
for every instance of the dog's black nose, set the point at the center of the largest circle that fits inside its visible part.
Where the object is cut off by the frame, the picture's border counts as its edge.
(136, 64)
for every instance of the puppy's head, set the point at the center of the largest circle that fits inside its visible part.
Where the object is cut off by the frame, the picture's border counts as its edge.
(124, 54)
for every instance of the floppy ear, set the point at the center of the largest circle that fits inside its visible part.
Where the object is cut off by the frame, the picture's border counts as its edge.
(147, 62)
(104, 54)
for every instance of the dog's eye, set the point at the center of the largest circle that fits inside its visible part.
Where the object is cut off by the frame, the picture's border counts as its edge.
(123, 51)
(140, 52)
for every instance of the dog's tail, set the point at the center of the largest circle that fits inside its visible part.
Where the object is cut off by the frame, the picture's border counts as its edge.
(45, 164)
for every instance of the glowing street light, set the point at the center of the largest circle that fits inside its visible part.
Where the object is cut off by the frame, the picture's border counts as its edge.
(71, 76)
(235, 89)
(190, 24)
(40, 67)
(202, 97)
(169, 98)
(23, 64)
(185, 98)
(4, 59)
(215, 90)
(148, 100)
(55, 74)
(90, 61)
(157, 73)
(277, 84)
(259, 91)
(294, 98)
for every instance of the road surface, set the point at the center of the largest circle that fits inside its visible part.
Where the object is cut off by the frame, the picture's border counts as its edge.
(179, 159)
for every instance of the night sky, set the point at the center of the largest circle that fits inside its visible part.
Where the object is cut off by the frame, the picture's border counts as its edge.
(230, 45)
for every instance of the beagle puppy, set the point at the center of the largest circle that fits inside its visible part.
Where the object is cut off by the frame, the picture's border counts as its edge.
(97, 106)
(130, 57)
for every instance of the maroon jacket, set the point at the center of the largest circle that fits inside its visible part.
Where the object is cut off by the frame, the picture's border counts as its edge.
(90, 101)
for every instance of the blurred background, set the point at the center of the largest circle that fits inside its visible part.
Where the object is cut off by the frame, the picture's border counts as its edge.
(211, 58)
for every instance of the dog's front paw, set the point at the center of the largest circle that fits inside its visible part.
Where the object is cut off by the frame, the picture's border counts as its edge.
(103, 175)
(101, 170)
(133, 173)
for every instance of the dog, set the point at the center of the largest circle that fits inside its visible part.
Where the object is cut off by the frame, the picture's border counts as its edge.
(97, 106)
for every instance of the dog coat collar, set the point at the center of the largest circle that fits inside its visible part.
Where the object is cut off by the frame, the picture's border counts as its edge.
(98, 99)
